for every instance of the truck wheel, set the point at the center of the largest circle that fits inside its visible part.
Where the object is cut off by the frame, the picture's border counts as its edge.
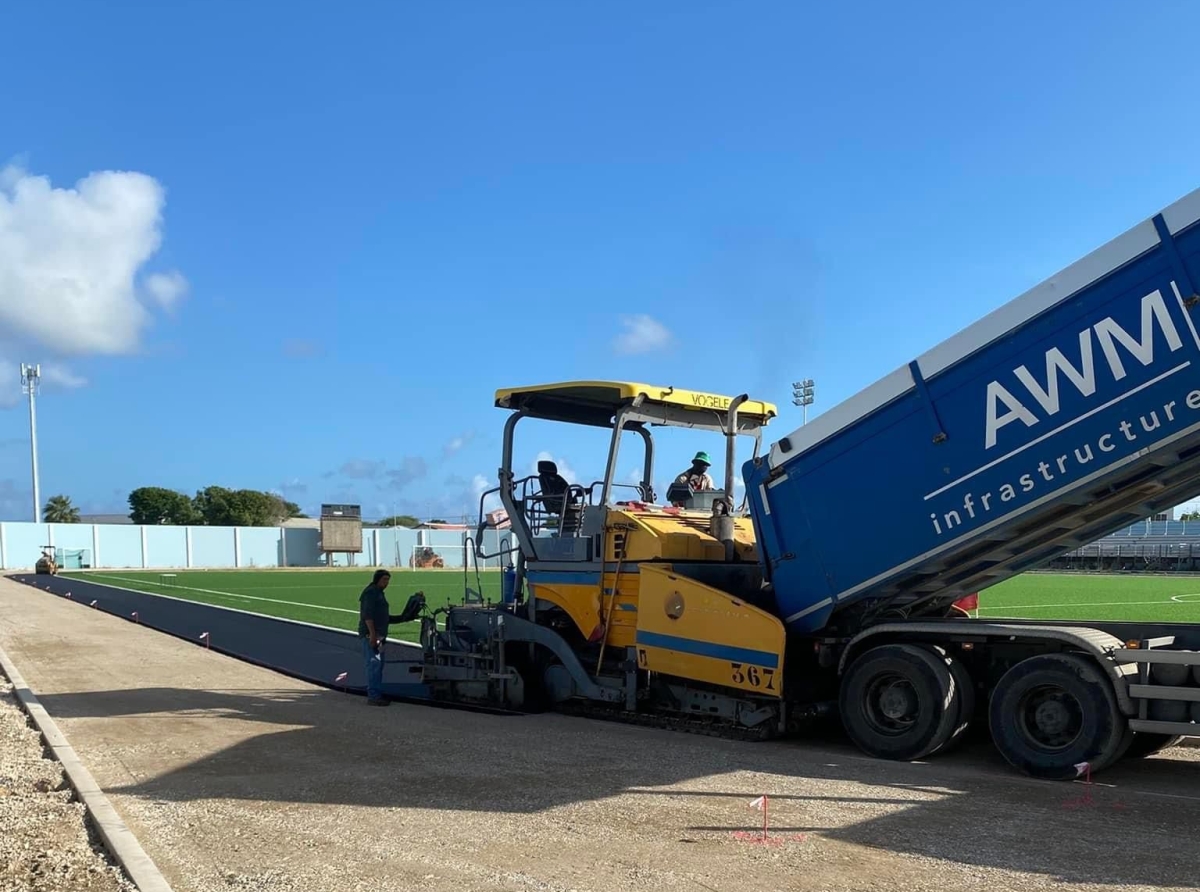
(1148, 743)
(963, 699)
(897, 702)
(1052, 712)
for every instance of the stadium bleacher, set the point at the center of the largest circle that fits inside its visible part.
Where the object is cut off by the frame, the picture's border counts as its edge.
(1158, 528)
(1146, 546)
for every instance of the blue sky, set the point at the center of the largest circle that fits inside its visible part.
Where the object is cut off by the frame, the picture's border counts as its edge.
(350, 224)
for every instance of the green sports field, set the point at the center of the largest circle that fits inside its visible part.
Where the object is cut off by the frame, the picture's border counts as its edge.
(329, 597)
(326, 597)
(1077, 596)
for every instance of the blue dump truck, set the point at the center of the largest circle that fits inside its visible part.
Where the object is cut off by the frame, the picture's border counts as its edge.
(1064, 415)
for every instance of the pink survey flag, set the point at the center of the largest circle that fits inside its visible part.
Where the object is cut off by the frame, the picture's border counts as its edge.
(759, 803)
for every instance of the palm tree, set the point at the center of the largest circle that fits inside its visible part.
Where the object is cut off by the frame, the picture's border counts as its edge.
(60, 510)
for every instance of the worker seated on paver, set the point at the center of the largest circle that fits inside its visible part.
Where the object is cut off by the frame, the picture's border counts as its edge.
(558, 497)
(553, 487)
(696, 478)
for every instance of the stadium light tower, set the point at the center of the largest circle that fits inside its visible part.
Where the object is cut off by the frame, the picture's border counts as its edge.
(802, 395)
(31, 376)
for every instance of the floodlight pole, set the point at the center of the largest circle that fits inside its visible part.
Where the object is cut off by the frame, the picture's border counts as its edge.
(31, 375)
(802, 395)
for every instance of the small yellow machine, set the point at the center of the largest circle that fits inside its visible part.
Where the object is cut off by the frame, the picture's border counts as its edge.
(47, 564)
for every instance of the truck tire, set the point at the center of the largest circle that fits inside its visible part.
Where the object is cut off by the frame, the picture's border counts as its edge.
(1051, 712)
(963, 698)
(897, 701)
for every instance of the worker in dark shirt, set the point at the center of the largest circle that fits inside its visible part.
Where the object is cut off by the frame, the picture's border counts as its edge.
(373, 619)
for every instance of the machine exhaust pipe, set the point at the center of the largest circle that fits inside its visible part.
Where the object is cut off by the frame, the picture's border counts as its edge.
(722, 522)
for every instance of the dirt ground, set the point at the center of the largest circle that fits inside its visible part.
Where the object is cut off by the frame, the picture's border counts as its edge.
(45, 845)
(234, 778)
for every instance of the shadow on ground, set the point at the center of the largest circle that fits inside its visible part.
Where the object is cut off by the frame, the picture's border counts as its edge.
(323, 747)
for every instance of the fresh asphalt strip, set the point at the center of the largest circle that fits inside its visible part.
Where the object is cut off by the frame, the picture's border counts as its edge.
(307, 652)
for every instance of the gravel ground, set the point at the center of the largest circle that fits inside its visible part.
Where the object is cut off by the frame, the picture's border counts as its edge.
(45, 839)
(234, 778)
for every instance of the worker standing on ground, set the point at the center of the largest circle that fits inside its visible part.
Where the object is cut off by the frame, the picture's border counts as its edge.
(373, 619)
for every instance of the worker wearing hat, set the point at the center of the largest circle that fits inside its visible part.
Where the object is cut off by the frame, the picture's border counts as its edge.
(697, 477)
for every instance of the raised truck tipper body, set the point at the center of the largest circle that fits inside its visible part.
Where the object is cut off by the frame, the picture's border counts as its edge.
(1063, 415)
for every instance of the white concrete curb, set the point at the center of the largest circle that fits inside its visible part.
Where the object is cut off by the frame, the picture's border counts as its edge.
(117, 837)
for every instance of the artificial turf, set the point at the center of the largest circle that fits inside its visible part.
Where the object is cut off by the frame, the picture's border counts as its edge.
(329, 597)
(326, 597)
(1080, 596)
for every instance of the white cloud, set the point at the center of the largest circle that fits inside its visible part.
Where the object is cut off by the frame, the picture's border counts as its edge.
(642, 334)
(11, 174)
(69, 258)
(362, 469)
(61, 376)
(292, 489)
(166, 288)
(457, 444)
(10, 384)
(412, 468)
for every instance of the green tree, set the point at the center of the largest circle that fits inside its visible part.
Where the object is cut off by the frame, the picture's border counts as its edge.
(155, 505)
(289, 509)
(256, 509)
(212, 504)
(220, 506)
(216, 506)
(60, 510)
(400, 520)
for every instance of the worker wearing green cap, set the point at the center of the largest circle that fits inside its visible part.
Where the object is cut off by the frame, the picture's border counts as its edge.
(697, 477)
